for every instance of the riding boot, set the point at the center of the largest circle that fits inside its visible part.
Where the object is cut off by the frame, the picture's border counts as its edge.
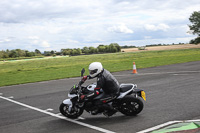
(109, 110)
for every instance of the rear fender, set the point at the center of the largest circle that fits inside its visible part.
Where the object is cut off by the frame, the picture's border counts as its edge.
(140, 93)
(122, 94)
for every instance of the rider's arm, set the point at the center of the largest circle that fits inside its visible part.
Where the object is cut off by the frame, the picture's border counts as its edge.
(94, 94)
(86, 77)
(96, 90)
(100, 83)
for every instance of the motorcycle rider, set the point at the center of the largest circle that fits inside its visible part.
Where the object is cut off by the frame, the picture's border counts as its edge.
(105, 81)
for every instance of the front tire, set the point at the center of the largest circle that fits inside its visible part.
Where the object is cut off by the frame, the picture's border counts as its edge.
(131, 105)
(73, 114)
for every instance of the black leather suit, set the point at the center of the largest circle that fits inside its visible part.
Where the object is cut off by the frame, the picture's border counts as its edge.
(109, 84)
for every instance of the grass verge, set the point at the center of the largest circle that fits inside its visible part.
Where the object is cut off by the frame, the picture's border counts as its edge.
(12, 73)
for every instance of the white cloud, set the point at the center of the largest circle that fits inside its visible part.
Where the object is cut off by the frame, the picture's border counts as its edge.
(5, 40)
(122, 28)
(33, 37)
(66, 23)
(45, 44)
(147, 37)
(151, 27)
(190, 31)
(72, 41)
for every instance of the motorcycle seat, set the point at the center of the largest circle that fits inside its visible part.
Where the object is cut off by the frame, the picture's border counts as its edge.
(124, 88)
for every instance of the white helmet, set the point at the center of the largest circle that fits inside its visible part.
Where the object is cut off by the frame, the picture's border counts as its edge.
(95, 68)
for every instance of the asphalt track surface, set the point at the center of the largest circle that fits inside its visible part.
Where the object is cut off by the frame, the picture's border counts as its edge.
(173, 93)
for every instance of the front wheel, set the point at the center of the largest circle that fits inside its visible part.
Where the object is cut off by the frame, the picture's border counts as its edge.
(131, 105)
(73, 114)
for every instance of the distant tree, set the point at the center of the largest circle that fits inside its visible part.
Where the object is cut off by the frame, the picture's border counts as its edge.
(117, 46)
(58, 53)
(1, 54)
(75, 52)
(20, 53)
(66, 51)
(47, 53)
(52, 52)
(101, 48)
(30, 54)
(195, 26)
(195, 41)
(4, 54)
(128, 46)
(112, 48)
(85, 50)
(71, 51)
(79, 51)
(92, 50)
(37, 52)
(13, 54)
(107, 49)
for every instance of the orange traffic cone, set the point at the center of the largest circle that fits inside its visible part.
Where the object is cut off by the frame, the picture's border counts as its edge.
(134, 68)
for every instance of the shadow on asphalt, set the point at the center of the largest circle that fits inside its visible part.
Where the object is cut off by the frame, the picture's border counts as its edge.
(59, 125)
(102, 120)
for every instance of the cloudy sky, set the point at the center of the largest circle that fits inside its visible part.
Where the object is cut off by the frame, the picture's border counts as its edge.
(57, 24)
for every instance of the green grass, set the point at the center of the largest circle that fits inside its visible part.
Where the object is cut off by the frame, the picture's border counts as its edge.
(19, 72)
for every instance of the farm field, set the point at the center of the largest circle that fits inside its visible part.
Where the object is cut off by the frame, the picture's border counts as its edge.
(167, 47)
(21, 72)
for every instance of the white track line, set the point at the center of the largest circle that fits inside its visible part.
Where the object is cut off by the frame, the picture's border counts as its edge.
(163, 125)
(157, 127)
(58, 116)
(11, 97)
(80, 118)
(49, 109)
(192, 120)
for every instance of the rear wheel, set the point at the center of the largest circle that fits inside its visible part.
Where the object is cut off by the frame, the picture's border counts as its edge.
(73, 114)
(131, 105)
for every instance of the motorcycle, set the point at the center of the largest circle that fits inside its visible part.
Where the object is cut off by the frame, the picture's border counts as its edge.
(129, 102)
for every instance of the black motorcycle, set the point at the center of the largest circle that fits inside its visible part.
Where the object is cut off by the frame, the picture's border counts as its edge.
(129, 102)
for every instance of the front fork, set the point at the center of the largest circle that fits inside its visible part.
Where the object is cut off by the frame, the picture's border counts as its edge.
(73, 104)
(69, 103)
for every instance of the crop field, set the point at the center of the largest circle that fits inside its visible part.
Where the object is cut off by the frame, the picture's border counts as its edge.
(20, 72)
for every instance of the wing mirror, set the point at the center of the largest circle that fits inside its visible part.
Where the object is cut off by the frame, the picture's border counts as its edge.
(82, 72)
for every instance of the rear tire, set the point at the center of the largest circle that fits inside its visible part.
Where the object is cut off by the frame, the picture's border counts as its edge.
(130, 105)
(73, 114)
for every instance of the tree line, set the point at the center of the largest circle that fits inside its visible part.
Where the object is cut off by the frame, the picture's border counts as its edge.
(17, 53)
(112, 48)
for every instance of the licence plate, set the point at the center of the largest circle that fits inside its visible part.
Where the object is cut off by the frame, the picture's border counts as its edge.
(143, 95)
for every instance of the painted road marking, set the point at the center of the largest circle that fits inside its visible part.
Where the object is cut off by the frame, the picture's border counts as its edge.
(49, 109)
(11, 97)
(58, 116)
(80, 118)
(179, 74)
(164, 124)
(159, 126)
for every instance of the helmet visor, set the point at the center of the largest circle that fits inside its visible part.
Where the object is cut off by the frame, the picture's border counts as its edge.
(93, 71)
